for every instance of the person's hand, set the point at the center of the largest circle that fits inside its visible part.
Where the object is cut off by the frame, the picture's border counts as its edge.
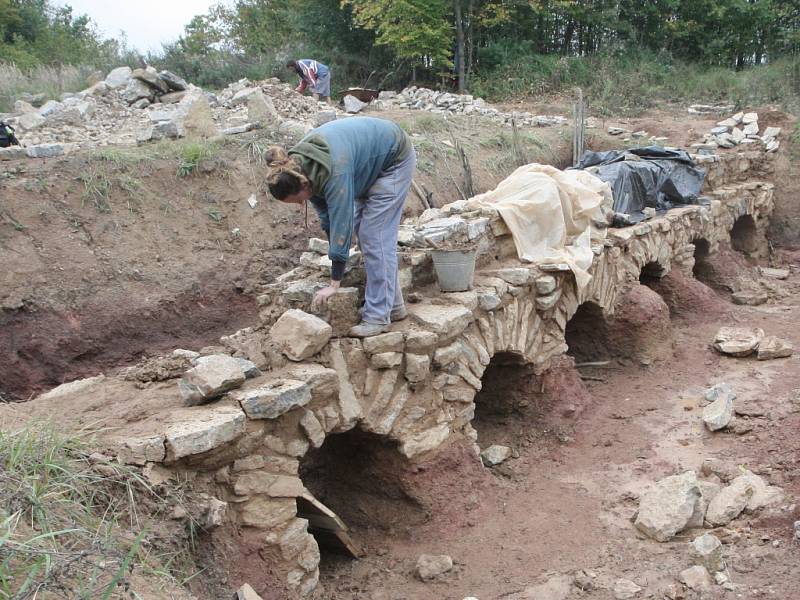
(321, 297)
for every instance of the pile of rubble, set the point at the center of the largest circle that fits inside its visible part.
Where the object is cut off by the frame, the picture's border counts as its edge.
(420, 98)
(740, 129)
(134, 106)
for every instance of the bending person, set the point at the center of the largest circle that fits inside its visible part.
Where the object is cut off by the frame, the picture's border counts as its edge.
(313, 75)
(356, 172)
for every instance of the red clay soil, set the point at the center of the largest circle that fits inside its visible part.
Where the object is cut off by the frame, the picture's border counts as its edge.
(563, 503)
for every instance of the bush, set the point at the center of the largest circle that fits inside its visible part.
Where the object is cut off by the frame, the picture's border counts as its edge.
(625, 82)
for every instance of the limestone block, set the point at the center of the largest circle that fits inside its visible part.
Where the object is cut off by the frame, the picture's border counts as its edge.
(421, 341)
(203, 430)
(730, 502)
(322, 381)
(198, 120)
(119, 77)
(241, 96)
(495, 454)
(260, 109)
(706, 550)
(446, 321)
(763, 494)
(514, 276)
(349, 405)
(267, 513)
(738, 341)
(386, 360)
(300, 335)
(386, 342)
(719, 413)
(489, 301)
(246, 592)
(139, 451)
(545, 284)
(447, 355)
(44, 150)
(549, 301)
(274, 399)
(151, 78)
(418, 367)
(667, 508)
(425, 441)
(430, 568)
(313, 429)
(772, 347)
(136, 89)
(274, 486)
(210, 378)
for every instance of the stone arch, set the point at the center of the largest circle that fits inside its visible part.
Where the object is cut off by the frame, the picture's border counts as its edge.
(745, 235)
(586, 334)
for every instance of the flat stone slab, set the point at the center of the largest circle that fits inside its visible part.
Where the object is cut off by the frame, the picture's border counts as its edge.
(772, 347)
(738, 341)
(204, 429)
(447, 321)
(274, 399)
(667, 508)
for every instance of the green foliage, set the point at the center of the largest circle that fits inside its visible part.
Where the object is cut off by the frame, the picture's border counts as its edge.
(414, 29)
(192, 154)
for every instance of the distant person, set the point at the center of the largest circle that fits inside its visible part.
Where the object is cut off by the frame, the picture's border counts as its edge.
(313, 75)
(356, 173)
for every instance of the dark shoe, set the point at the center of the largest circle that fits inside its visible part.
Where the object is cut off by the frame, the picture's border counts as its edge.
(398, 314)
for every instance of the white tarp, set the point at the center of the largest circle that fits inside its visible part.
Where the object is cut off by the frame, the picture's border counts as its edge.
(550, 213)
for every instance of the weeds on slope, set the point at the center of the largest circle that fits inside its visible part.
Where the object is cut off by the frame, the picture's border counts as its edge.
(69, 528)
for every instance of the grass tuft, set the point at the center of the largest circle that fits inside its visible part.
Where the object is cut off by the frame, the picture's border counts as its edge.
(65, 528)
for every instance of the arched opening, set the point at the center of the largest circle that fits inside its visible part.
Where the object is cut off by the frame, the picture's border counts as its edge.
(744, 236)
(652, 272)
(355, 485)
(587, 334)
(518, 409)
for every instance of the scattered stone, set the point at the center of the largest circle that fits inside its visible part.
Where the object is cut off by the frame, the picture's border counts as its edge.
(260, 109)
(558, 587)
(171, 98)
(246, 593)
(495, 454)
(706, 550)
(353, 105)
(750, 297)
(667, 508)
(797, 530)
(625, 588)
(31, 120)
(751, 129)
(719, 413)
(386, 360)
(300, 335)
(774, 273)
(151, 78)
(730, 502)
(210, 378)
(324, 116)
(719, 130)
(546, 284)
(431, 567)
(772, 347)
(750, 117)
(738, 341)
(198, 121)
(763, 494)
(696, 578)
(44, 150)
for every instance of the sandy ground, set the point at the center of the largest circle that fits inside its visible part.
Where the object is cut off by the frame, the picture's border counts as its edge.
(564, 503)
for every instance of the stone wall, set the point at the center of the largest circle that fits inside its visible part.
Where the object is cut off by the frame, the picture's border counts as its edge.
(414, 386)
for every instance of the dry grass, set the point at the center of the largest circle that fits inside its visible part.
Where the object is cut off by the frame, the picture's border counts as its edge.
(52, 81)
(69, 528)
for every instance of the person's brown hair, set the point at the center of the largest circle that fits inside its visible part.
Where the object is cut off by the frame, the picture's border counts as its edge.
(285, 176)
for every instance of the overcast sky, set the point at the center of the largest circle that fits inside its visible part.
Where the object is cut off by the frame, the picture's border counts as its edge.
(147, 23)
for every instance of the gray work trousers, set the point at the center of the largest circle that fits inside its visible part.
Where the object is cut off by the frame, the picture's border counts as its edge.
(377, 220)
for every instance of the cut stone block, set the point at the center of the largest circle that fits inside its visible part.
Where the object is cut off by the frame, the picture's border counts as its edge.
(205, 430)
(210, 378)
(274, 399)
(300, 335)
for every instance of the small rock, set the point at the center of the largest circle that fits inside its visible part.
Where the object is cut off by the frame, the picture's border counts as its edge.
(774, 273)
(246, 593)
(750, 297)
(353, 105)
(260, 109)
(797, 530)
(324, 116)
(718, 414)
(720, 390)
(730, 502)
(495, 454)
(706, 550)
(738, 341)
(696, 578)
(431, 567)
(119, 77)
(668, 507)
(44, 150)
(174, 82)
(750, 117)
(625, 588)
(773, 347)
(319, 246)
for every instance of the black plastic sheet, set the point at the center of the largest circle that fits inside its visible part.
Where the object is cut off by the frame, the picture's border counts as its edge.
(656, 178)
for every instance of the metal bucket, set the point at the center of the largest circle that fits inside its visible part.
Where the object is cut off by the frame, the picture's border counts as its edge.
(454, 269)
